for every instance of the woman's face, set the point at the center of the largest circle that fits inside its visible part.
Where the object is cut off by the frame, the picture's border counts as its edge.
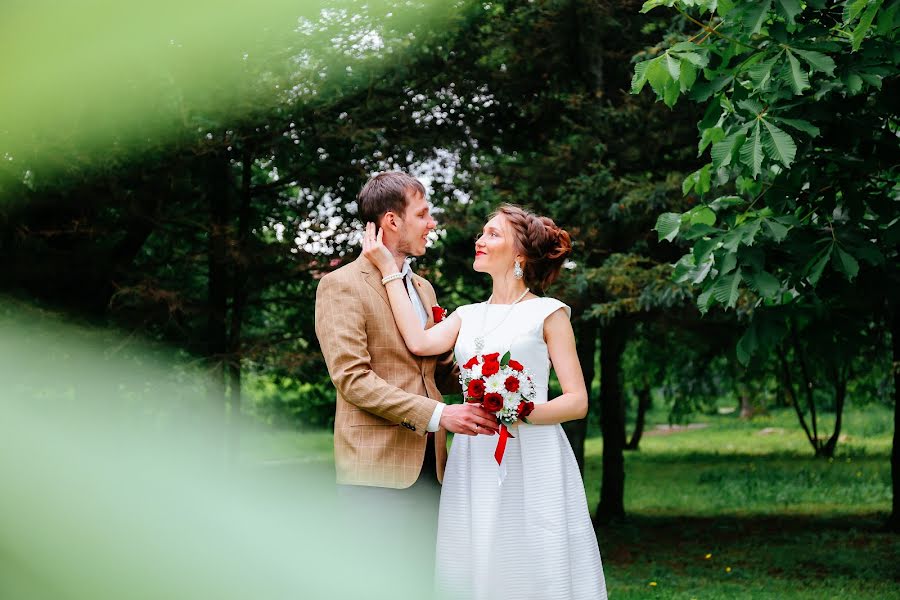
(495, 250)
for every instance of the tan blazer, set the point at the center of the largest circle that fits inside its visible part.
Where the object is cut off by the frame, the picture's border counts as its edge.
(385, 394)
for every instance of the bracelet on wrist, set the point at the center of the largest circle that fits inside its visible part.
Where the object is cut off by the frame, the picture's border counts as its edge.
(389, 278)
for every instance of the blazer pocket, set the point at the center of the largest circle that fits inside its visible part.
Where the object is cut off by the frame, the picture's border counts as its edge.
(362, 418)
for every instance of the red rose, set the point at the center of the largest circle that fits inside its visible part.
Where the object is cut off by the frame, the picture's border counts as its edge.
(493, 402)
(472, 362)
(515, 365)
(475, 389)
(489, 368)
(524, 409)
(492, 357)
(438, 313)
(512, 384)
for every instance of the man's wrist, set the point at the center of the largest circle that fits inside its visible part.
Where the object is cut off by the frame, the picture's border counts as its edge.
(435, 422)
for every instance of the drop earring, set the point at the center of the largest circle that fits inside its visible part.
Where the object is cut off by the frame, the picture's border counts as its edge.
(517, 270)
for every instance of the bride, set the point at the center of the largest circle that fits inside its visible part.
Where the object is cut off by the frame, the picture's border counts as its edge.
(529, 534)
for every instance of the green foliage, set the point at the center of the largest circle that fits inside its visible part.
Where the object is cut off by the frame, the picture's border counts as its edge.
(687, 373)
(804, 211)
(129, 234)
(632, 284)
(167, 74)
(286, 402)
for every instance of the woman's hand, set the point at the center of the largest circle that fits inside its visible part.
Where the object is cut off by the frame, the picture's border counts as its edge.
(377, 253)
(437, 339)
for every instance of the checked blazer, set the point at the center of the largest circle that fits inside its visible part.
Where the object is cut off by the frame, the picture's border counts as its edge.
(385, 394)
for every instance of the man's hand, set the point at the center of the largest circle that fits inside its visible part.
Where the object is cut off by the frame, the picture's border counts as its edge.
(468, 419)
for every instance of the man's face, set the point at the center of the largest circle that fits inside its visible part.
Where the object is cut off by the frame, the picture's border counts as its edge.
(415, 226)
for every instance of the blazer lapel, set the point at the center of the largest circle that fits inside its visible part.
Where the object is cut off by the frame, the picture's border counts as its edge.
(373, 278)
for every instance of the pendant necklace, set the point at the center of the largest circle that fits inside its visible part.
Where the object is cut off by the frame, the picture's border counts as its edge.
(479, 339)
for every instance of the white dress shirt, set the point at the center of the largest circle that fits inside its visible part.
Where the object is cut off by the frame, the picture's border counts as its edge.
(435, 422)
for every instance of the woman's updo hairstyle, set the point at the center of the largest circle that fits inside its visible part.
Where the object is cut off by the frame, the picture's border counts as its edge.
(544, 245)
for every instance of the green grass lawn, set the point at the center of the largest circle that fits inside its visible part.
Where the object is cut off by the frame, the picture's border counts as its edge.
(773, 521)
(737, 509)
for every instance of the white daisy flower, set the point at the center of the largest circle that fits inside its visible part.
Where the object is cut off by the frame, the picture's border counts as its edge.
(494, 383)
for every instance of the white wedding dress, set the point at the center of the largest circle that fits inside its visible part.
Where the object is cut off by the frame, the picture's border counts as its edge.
(530, 537)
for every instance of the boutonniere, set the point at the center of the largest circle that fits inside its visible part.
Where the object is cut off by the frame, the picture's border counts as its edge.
(438, 313)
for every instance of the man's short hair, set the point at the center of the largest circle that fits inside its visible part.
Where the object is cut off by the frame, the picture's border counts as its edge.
(386, 192)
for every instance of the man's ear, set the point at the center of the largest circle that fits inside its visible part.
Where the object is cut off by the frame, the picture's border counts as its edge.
(389, 221)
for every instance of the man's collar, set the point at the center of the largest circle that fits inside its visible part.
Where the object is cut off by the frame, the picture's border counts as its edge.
(366, 266)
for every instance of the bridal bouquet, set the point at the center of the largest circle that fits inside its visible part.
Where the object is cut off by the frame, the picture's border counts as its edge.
(502, 386)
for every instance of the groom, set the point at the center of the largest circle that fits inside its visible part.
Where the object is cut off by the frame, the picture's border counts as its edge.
(390, 426)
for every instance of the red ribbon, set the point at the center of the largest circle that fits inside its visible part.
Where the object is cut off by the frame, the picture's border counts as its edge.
(501, 443)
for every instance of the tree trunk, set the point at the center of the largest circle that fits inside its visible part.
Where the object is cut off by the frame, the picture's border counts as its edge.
(586, 43)
(612, 423)
(840, 395)
(240, 292)
(894, 521)
(781, 398)
(788, 384)
(586, 346)
(640, 419)
(233, 441)
(746, 405)
(217, 287)
(807, 387)
(141, 223)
